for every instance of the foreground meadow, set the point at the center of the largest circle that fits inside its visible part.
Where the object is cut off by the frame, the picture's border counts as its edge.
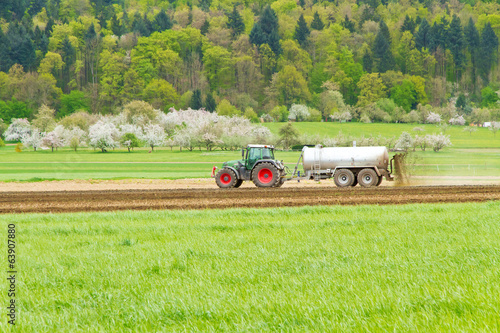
(427, 268)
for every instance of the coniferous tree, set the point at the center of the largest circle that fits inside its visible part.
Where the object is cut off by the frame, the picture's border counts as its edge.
(68, 56)
(348, 24)
(116, 26)
(204, 28)
(488, 49)
(438, 35)
(5, 62)
(162, 21)
(235, 23)
(456, 44)
(382, 53)
(302, 32)
(265, 31)
(317, 24)
(302, 3)
(408, 25)
(196, 103)
(49, 27)
(472, 41)
(367, 62)
(26, 54)
(366, 15)
(384, 29)
(210, 104)
(423, 35)
(125, 22)
(205, 5)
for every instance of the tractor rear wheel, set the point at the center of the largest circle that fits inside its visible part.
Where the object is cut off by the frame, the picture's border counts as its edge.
(367, 178)
(226, 178)
(265, 175)
(238, 183)
(343, 178)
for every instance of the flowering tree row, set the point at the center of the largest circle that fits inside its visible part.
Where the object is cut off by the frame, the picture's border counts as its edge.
(137, 125)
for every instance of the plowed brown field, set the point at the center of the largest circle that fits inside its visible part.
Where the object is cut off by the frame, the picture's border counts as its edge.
(77, 201)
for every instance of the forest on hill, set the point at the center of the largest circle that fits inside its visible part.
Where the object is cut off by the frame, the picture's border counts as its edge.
(368, 60)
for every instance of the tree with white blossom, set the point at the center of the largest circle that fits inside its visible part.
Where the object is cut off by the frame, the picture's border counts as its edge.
(103, 135)
(433, 118)
(298, 112)
(52, 140)
(17, 129)
(457, 120)
(33, 138)
(439, 141)
(154, 135)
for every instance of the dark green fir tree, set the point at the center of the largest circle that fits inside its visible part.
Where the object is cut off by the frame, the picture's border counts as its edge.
(422, 37)
(210, 104)
(235, 23)
(162, 22)
(302, 32)
(317, 24)
(196, 103)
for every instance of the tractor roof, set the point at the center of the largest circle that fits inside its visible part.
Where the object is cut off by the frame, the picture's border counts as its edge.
(260, 146)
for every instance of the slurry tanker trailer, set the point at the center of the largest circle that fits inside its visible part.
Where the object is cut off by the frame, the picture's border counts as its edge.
(348, 166)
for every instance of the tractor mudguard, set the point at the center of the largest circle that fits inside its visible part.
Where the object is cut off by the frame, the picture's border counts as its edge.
(235, 171)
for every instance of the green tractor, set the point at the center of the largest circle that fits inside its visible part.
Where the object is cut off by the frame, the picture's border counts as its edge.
(257, 164)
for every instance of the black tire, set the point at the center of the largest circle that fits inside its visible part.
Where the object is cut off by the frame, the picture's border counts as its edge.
(226, 178)
(379, 180)
(280, 182)
(343, 178)
(355, 182)
(238, 183)
(265, 175)
(368, 178)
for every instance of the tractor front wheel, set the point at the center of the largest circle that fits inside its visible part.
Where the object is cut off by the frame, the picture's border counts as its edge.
(265, 175)
(226, 178)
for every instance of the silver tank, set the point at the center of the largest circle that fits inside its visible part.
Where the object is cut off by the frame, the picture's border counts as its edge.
(330, 158)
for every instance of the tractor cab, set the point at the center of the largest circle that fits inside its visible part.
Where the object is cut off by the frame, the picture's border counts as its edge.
(256, 153)
(257, 164)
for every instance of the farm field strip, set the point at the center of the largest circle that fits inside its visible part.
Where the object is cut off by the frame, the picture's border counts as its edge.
(76, 201)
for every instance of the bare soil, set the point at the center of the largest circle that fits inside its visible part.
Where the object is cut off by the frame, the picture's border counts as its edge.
(252, 197)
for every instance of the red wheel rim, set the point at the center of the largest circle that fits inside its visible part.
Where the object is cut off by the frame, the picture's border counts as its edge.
(265, 176)
(225, 178)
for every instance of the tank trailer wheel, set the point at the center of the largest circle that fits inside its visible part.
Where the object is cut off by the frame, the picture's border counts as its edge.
(265, 175)
(355, 181)
(379, 180)
(238, 183)
(226, 178)
(368, 178)
(343, 178)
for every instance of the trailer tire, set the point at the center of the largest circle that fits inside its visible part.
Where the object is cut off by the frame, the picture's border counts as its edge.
(368, 178)
(355, 181)
(379, 180)
(266, 175)
(343, 178)
(226, 178)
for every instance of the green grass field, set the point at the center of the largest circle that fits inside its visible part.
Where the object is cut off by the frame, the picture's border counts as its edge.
(471, 155)
(417, 268)
(483, 138)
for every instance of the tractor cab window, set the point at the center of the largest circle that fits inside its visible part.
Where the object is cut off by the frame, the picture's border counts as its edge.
(267, 154)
